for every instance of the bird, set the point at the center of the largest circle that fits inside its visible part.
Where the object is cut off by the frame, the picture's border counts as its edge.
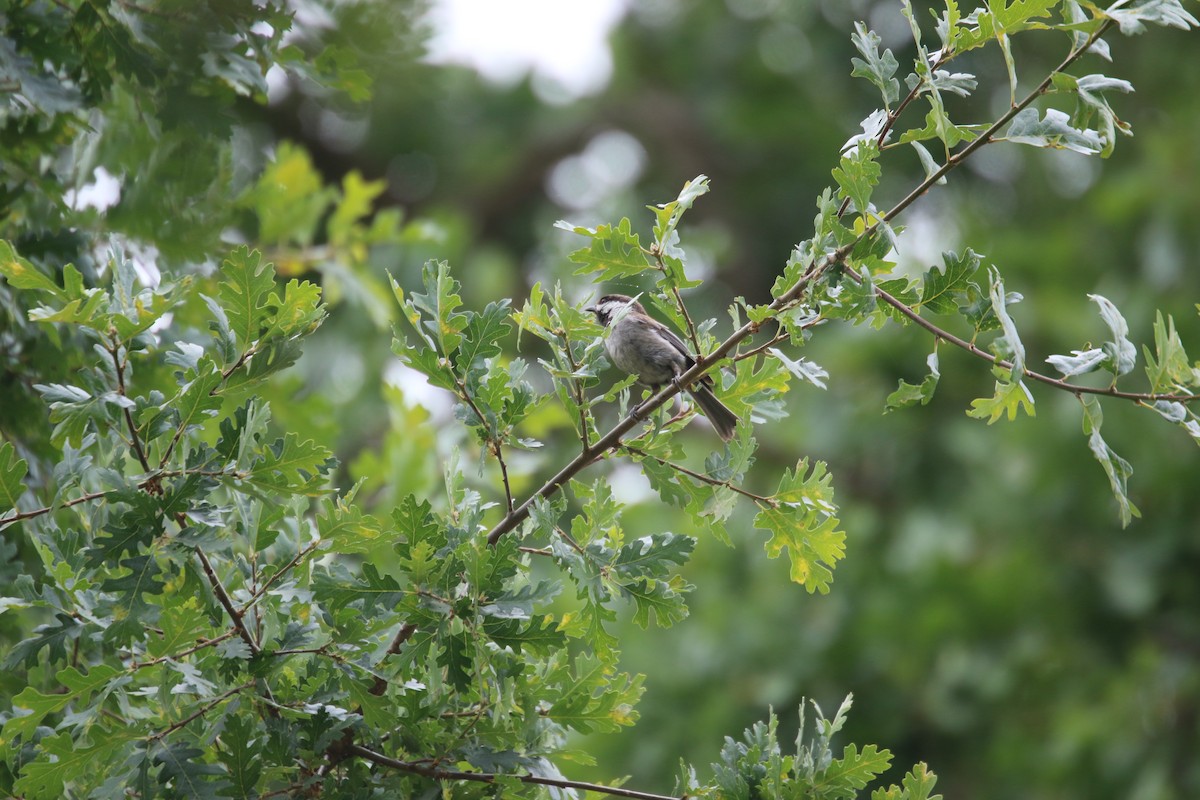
(641, 345)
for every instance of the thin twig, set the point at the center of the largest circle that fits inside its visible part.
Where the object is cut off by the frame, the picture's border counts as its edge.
(262, 590)
(403, 635)
(136, 665)
(576, 392)
(37, 512)
(493, 438)
(204, 709)
(779, 337)
(227, 603)
(119, 366)
(637, 451)
(508, 497)
(1058, 383)
(437, 773)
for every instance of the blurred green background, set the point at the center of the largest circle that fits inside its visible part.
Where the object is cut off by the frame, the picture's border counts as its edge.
(991, 618)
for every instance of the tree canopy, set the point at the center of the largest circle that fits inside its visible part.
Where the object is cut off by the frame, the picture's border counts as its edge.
(315, 479)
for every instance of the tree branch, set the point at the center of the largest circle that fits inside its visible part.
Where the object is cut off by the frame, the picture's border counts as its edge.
(437, 773)
(613, 438)
(119, 366)
(223, 598)
(639, 452)
(201, 711)
(403, 635)
(37, 512)
(1058, 383)
(576, 392)
(288, 567)
(136, 665)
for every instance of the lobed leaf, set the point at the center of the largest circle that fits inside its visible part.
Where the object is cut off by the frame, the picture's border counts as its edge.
(801, 520)
(12, 473)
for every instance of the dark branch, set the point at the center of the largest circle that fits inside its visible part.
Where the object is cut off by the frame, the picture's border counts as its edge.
(437, 773)
(403, 635)
(612, 439)
(640, 453)
(1058, 383)
(223, 598)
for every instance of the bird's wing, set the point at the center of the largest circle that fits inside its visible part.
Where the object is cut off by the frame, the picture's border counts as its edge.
(669, 335)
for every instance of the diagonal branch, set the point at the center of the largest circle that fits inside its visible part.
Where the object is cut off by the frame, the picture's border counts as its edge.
(135, 439)
(223, 598)
(201, 711)
(711, 481)
(286, 568)
(612, 439)
(403, 635)
(1058, 383)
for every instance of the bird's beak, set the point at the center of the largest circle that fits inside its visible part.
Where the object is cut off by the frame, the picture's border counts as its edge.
(591, 309)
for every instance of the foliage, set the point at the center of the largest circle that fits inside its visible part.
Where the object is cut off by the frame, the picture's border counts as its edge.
(202, 613)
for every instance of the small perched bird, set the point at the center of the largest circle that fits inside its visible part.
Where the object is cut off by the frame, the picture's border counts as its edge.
(642, 346)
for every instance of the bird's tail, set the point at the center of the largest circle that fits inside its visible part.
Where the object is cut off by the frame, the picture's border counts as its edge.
(722, 419)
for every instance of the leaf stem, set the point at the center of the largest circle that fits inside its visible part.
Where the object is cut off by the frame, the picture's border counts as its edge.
(637, 451)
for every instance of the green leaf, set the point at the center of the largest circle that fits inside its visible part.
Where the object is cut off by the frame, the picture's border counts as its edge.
(908, 394)
(1054, 130)
(53, 636)
(669, 215)
(245, 285)
(540, 635)
(1116, 468)
(439, 304)
(482, 335)
(78, 687)
(1120, 356)
(22, 274)
(12, 473)
(1009, 398)
(858, 174)
(916, 785)
(181, 625)
(942, 288)
(198, 399)
(661, 598)
(878, 69)
(653, 555)
(346, 527)
(241, 753)
(291, 464)
(1169, 367)
(614, 253)
(299, 311)
(60, 761)
(801, 520)
(595, 700)
(1132, 17)
(927, 162)
(855, 769)
(369, 590)
(1011, 344)
(183, 766)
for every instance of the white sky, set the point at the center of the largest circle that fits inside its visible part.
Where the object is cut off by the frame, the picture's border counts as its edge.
(563, 43)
